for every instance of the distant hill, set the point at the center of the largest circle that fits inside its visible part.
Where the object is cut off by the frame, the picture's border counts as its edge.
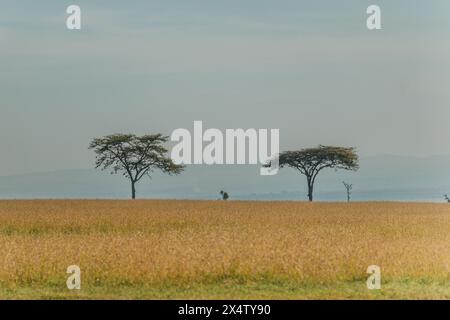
(379, 178)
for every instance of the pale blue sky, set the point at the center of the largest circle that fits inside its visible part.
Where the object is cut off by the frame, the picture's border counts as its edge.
(309, 68)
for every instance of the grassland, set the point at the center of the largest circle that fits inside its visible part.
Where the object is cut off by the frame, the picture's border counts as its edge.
(213, 249)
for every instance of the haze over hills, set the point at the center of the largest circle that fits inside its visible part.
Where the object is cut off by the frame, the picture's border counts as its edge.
(379, 178)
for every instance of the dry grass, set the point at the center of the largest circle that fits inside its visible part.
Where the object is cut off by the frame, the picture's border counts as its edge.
(162, 245)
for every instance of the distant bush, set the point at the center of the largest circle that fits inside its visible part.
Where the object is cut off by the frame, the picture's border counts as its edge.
(224, 195)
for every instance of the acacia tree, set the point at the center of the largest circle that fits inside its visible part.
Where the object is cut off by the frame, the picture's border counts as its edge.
(134, 156)
(310, 161)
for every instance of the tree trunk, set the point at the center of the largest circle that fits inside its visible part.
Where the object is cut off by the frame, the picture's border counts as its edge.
(310, 193)
(133, 190)
(310, 189)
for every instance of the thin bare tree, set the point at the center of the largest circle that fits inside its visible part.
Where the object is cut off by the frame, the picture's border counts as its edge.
(348, 188)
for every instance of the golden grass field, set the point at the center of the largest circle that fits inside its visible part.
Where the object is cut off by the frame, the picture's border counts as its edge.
(156, 249)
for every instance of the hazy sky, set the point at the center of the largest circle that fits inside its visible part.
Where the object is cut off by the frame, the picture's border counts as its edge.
(309, 68)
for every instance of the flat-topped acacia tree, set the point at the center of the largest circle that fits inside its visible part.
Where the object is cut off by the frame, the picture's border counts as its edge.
(310, 161)
(134, 156)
